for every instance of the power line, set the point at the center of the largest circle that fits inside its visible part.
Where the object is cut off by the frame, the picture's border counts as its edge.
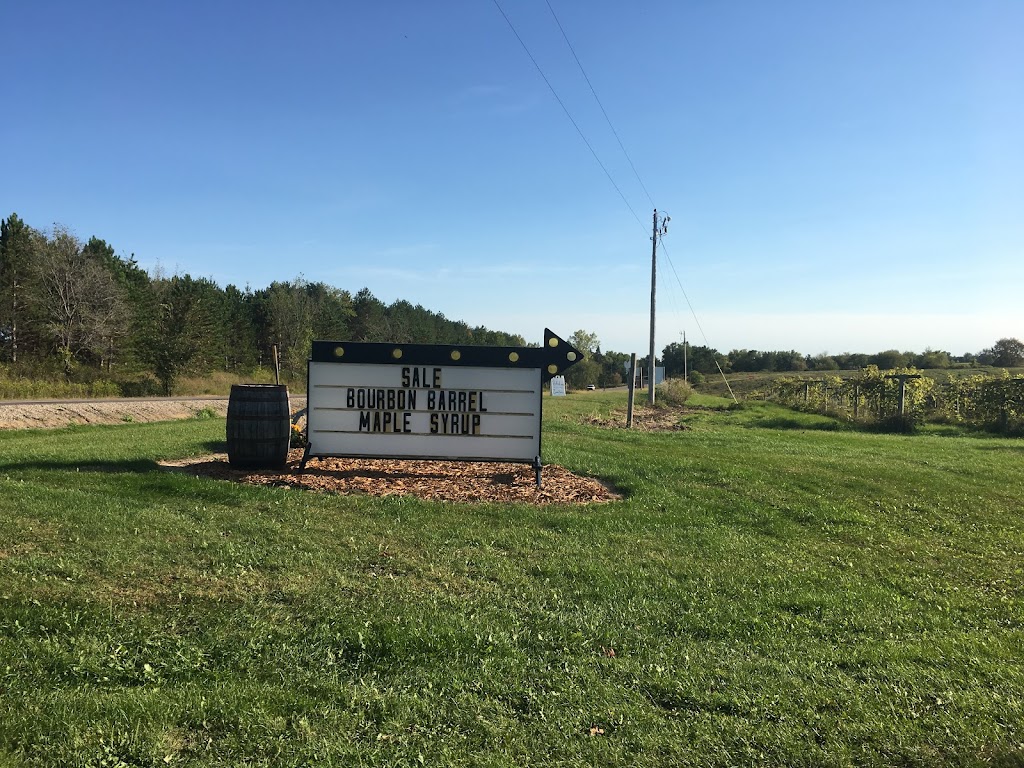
(682, 290)
(635, 173)
(567, 113)
(695, 318)
(598, 100)
(575, 125)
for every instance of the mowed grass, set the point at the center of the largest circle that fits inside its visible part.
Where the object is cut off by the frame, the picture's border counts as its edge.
(772, 591)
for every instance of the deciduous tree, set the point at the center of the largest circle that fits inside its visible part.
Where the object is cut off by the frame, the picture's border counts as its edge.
(1007, 353)
(706, 360)
(79, 304)
(890, 359)
(585, 342)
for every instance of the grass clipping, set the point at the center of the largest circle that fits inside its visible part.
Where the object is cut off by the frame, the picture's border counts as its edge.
(459, 481)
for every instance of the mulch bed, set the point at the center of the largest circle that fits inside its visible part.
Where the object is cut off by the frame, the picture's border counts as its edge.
(460, 481)
(435, 480)
(644, 420)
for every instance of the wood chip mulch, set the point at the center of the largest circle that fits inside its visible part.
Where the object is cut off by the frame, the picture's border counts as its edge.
(435, 480)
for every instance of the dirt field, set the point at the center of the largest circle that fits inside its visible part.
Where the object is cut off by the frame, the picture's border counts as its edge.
(43, 415)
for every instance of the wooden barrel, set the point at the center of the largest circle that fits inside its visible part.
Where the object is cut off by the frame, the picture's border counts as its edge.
(259, 426)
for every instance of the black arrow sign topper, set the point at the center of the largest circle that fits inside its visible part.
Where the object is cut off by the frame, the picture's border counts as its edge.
(552, 359)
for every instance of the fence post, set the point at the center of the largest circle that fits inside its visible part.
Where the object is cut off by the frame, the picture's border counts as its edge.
(632, 388)
(1004, 416)
(903, 387)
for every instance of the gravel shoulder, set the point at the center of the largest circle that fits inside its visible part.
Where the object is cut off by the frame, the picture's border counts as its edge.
(62, 413)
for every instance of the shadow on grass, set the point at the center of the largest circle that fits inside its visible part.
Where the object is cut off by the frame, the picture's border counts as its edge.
(135, 481)
(125, 466)
(946, 430)
(1012, 448)
(782, 422)
(130, 466)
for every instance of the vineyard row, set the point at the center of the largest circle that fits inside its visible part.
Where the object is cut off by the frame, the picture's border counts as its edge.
(994, 402)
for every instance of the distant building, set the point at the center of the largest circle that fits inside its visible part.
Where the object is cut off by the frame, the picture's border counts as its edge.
(641, 374)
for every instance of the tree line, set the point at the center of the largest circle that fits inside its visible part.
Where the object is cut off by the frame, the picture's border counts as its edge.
(609, 369)
(1005, 353)
(80, 310)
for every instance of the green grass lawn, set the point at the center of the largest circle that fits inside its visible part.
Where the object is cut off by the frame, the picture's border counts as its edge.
(772, 591)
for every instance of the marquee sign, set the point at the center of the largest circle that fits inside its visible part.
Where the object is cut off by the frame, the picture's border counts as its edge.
(426, 401)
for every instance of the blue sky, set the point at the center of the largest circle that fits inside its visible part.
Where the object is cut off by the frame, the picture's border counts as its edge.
(841, 176)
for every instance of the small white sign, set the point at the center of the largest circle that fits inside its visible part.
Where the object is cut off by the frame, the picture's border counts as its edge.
(558, 386)
(425, 412)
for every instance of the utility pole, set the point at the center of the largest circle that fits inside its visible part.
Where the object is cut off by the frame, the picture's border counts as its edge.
(656, 232)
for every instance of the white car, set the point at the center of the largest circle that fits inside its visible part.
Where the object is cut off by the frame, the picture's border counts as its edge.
(591, 387)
